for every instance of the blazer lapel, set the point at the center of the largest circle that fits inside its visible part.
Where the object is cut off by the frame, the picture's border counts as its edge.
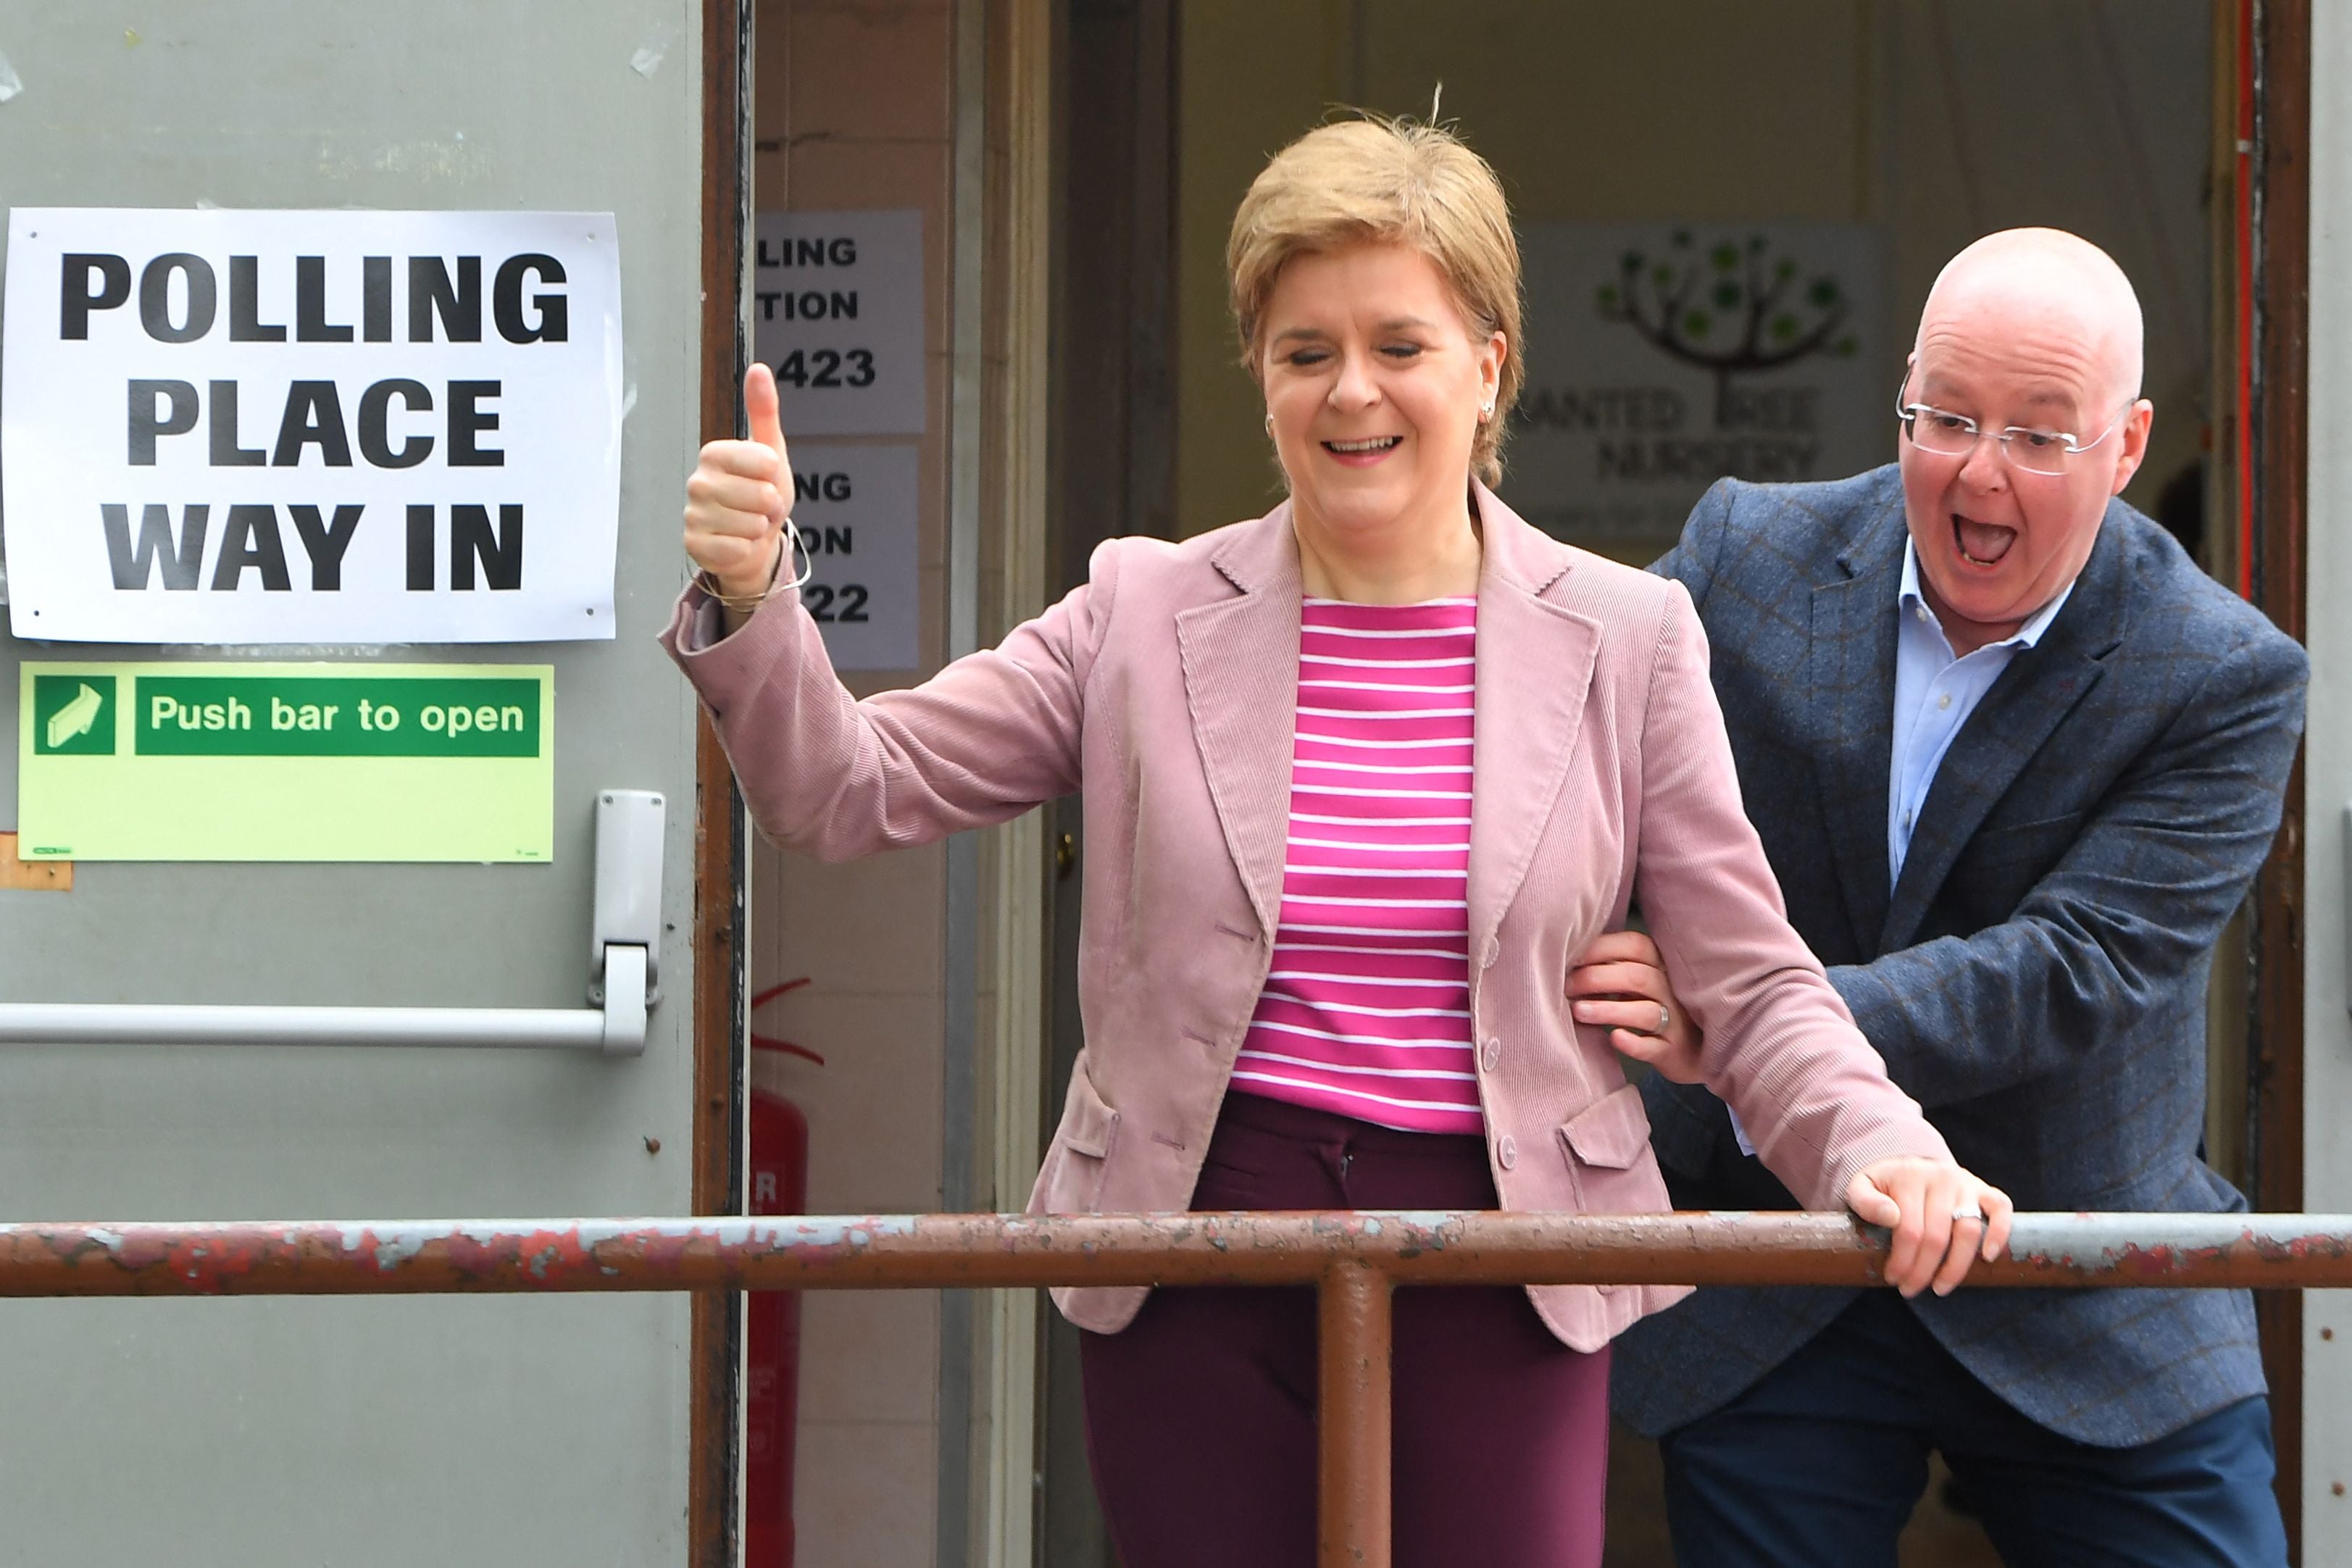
(1851, 673)
(2018, 716)
(1535, 670)
(1241, 685)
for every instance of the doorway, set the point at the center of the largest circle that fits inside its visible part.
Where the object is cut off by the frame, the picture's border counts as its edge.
(1666, 128)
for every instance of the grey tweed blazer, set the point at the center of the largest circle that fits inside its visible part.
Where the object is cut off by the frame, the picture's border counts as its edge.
(2036, 979)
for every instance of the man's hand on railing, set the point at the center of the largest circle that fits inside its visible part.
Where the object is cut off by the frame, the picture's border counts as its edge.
(1942, 1219)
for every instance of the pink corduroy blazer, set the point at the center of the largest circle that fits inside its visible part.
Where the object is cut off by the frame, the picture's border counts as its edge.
(1165, 688)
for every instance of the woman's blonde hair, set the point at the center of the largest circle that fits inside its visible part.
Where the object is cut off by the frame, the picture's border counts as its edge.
(1375, 181)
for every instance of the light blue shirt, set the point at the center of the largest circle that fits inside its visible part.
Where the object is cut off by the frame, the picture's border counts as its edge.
(1934, 695)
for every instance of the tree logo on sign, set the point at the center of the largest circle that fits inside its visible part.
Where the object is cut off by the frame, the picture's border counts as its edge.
(1730, 308)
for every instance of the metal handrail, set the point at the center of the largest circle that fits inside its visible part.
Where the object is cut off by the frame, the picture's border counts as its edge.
(1354, 1259)
(810, 1252)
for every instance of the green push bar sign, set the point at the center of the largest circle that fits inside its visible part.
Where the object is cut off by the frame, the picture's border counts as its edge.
(285, 762)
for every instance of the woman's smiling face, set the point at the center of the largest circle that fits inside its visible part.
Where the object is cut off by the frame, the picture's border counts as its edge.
(1374, 387)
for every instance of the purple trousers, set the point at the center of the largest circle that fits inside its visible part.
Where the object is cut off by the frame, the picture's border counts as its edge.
(1201, 1414)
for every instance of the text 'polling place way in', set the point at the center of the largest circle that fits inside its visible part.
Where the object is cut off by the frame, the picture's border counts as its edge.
(310, 426)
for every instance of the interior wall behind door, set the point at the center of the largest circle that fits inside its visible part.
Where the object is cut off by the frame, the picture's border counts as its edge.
(854, 109)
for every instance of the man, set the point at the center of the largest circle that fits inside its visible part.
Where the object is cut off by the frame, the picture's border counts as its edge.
(2015, 761)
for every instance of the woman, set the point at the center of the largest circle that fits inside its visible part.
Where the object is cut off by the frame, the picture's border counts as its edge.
(1361, 778)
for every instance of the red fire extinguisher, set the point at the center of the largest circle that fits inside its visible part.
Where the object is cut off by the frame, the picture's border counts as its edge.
(779, 1170)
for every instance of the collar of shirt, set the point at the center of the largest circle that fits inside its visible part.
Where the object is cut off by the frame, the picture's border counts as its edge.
(1909, 599)
(1935, 692)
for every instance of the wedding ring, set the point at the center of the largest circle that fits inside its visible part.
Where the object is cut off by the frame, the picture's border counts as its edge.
(1970, 1212)
(1665, 1018)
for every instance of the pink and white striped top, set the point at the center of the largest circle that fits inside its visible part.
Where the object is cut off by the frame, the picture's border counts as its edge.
(1367, 1010)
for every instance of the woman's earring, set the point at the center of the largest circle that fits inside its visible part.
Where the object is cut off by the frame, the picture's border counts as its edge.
(1485, 413)
(1269, 423)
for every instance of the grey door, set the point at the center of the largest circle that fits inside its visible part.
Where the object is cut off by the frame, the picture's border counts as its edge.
(357, 1431)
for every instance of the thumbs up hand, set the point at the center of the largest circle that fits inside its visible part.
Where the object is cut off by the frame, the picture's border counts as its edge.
(737, 498)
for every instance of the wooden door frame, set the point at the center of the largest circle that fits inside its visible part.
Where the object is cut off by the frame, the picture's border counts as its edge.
(714, 1353)
(2273, 39)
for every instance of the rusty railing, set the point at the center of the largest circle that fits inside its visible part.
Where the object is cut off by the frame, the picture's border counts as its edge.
(1353, 1259)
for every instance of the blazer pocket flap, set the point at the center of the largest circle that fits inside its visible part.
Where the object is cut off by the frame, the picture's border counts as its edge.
(1088, 1124)
(1612, 1131)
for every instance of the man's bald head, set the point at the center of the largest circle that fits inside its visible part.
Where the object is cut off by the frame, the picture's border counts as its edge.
(2043, 285)
(2028, 333)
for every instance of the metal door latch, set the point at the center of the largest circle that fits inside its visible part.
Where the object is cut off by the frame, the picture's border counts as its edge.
(624, 940)
(625, 956)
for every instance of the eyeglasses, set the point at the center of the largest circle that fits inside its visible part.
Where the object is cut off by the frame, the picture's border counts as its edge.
(2029, 448)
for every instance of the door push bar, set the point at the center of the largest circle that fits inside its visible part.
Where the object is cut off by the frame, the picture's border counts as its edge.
(624, 981)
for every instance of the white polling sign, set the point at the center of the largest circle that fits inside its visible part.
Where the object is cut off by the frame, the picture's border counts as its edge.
(838, 313)
(855, 509)
(283, 426)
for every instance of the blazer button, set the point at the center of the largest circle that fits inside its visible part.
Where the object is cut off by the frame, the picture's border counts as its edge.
(1494, 951)
(1507, 1152)
(1492, 1055)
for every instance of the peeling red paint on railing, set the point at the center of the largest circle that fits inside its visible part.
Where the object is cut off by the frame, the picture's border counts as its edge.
(1353, 1259)
(880, 1252)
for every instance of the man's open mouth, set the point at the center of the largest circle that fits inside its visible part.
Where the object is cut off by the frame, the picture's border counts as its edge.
(1981, 544)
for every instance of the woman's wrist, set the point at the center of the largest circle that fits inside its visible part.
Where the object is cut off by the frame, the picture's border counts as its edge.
(742, 596)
